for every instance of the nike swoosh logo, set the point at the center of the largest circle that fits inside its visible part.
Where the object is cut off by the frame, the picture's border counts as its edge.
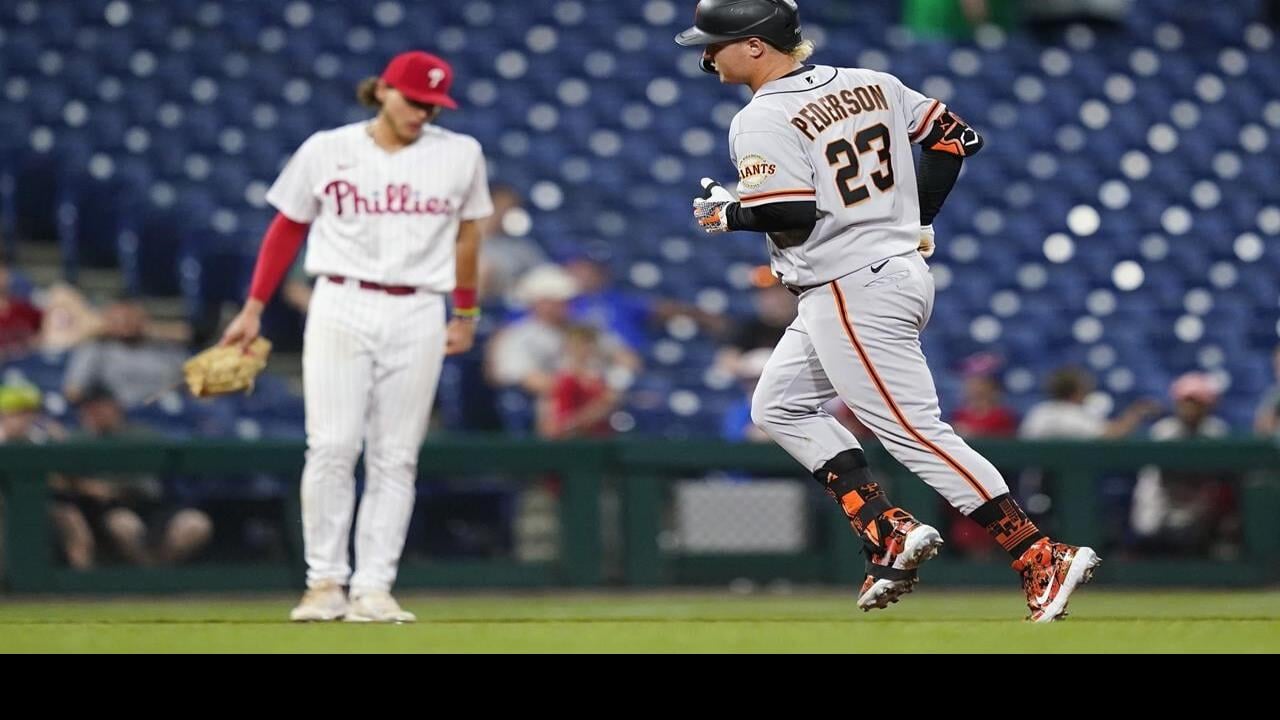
(1047, 592)
(878, 268)
(347, 166)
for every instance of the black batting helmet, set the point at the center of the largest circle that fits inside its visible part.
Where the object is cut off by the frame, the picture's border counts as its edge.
(777, 22)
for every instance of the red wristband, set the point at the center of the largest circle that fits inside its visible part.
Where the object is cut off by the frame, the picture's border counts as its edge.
(464, 298)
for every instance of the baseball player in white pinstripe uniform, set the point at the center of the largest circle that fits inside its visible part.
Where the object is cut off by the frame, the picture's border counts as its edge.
(392, 207)
(825, 168)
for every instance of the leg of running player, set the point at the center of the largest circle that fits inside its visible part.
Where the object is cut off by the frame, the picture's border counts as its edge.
(787, 405)
(872, 354)
(871, 351)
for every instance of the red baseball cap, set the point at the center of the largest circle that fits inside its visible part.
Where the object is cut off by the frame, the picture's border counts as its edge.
(421, 77)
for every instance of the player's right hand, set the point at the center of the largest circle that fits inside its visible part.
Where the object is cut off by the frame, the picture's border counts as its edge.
(244, 329)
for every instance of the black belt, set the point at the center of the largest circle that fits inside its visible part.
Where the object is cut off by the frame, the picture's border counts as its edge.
(798, 290)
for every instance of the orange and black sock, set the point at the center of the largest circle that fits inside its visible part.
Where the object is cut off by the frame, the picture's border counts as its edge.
(1008, 524)
(847, 480)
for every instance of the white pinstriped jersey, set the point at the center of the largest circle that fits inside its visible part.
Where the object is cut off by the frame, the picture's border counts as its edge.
(386, 217)
(840, 137)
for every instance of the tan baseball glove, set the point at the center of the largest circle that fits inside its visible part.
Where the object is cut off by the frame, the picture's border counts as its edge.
(226, 369)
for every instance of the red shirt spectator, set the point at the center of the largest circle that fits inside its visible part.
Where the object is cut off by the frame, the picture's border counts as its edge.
(19, 321)
(986, 422)
(579, 402)
(983, 414)
(571, 393)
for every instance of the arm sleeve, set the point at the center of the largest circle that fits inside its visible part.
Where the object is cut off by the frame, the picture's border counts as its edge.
(279, 248)
(938, 174)
(795, 215)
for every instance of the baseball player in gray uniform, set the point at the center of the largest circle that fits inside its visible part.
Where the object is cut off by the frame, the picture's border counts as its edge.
(825, 168)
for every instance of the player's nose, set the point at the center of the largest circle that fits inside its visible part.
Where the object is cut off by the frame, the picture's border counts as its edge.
(708, 60)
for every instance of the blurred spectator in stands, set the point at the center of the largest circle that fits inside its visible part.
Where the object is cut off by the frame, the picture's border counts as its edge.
(133, 357)
(1065, 414)
(629, 315)
(1187, 511)
(601, 304)
(19, 321)
(528, 353)
(93, 511)
(775, 310)
(21, 421)
(298, 286)
(580, 400)
(1266, 421)
(737, 425)
(507, 254)
(983, 413)
(69, 318)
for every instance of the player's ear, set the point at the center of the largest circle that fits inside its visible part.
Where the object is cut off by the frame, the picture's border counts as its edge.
(756, 47)
(380, 91)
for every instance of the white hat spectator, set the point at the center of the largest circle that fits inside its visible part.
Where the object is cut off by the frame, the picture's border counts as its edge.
(546, 282)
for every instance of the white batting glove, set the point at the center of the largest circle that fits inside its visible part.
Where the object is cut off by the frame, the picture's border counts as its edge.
(926, 241)
(711, 208)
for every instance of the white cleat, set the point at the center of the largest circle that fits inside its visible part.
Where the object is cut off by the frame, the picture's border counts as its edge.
(377, 607)
(1051, 571)
(323, 603)
(892, 574)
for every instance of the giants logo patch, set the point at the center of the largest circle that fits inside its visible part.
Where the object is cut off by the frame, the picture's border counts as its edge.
(754, 170)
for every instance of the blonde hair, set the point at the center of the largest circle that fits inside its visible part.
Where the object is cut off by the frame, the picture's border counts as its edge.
(367, 92)
(802, 52)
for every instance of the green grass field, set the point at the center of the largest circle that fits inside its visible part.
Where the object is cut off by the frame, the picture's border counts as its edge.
(936, 621)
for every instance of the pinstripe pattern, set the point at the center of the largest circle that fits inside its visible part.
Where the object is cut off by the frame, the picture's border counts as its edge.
(390, 218)
(371, 360)
(371, 363)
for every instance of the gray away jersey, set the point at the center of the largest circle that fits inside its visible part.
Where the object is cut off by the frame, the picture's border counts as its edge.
(839, 136)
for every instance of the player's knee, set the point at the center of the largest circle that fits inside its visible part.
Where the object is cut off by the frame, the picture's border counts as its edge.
(767, 413)
(332, 458)
(394, 462)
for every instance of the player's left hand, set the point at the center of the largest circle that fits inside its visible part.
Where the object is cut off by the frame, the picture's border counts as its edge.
(710, 208)
(459, 336)
(926, 241)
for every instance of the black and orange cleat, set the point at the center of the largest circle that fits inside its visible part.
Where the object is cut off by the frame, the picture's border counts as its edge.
(902, 544)
(1051, 571)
